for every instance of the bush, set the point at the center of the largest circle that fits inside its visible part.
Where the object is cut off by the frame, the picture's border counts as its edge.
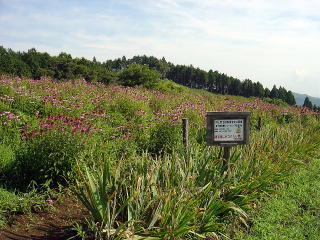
(139, 75)
(276, 101)
(170, 86)
(106, 77)
(48, 157)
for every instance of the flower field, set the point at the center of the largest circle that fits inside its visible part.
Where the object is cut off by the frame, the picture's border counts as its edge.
(119, 149)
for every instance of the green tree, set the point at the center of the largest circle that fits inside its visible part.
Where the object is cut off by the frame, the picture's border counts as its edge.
(282, 93)
(160, 65)
(267, 92)
(274, 92)
(258, 90)
(106, 77)
(235, 86)
(307, 103)
(64, 67)
(211, 81)
(290, 98)
(247, 88)
(12, 63)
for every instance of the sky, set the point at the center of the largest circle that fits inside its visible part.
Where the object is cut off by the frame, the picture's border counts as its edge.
(275, 42)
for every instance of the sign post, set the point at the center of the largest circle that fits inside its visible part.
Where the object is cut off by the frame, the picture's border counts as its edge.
(185, 133)
(227, 129)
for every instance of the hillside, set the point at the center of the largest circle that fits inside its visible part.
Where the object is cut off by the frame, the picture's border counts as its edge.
(119, 150)
(138, 70)
(301, 97)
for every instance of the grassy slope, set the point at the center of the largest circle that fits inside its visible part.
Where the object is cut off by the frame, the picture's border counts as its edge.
(293, 213)
(48, 126)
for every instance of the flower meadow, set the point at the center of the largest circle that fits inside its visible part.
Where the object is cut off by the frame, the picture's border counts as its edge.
(120, 151)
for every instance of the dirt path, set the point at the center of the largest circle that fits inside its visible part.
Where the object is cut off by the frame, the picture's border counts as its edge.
(55, 224)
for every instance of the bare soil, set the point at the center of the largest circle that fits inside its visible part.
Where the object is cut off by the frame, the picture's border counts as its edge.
(52, 225)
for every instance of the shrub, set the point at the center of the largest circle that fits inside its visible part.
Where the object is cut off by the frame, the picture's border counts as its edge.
(136, 75)
(170, 86)
(106, 77)
(276, 101)
(47, 157)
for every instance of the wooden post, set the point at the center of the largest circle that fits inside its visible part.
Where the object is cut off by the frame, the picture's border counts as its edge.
(226, 157)
(185, 133)
(259, 123)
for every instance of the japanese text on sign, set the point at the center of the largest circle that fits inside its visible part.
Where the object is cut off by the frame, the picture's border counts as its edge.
(229, 130)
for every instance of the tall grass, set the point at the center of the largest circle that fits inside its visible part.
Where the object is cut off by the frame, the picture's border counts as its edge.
(180, 196)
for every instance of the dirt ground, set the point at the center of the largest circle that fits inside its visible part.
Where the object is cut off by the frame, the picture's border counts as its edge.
(52, 225)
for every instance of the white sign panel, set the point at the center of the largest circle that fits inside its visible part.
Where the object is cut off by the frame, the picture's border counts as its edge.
(228, 130)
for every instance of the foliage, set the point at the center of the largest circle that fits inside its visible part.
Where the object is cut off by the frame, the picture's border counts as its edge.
(183, 196)
(16, 203)
(100, 194)
(47, 157)
(136, 75)
(164, 137)
(276, 101)
(307, 103)
(139, 70)
(169, 86)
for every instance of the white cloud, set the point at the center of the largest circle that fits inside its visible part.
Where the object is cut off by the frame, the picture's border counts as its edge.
(269, 41)
(306, 82)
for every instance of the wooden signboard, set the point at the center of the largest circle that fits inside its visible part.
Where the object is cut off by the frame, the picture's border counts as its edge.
(227, 128)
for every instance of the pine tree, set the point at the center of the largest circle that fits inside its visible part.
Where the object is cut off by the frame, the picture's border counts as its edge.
(307, 103)
(290, 98)
(274, 92)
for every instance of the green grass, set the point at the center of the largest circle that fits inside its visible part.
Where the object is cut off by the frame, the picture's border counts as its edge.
(294, 213)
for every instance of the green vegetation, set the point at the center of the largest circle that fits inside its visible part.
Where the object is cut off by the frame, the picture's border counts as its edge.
(293, 213)
(139, 70)
(307, 103)
(139, 75)
(12, 203)
(120, 151)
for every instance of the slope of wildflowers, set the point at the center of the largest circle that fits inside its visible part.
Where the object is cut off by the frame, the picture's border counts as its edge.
(121, 151)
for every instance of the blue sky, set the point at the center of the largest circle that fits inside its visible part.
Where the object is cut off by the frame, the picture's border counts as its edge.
(274, 42)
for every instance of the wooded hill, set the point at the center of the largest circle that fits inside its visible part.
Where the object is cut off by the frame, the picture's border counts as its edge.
(139, 70)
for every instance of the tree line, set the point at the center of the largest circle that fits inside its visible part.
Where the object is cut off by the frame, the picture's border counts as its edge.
(139, 70)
